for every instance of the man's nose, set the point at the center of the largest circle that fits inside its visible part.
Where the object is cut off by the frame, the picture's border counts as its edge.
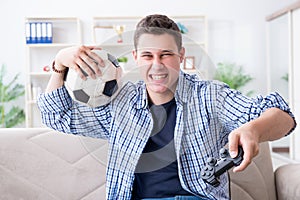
(157, 62)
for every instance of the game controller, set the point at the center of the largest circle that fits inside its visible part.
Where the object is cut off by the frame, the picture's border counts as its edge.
(211, 172)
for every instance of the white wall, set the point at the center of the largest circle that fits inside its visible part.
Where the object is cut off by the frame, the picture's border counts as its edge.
(236, 28)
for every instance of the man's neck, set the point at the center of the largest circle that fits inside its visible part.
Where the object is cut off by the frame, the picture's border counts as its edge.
(159, 99)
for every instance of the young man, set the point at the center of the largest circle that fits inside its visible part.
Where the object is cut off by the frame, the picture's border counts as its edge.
(162, 130)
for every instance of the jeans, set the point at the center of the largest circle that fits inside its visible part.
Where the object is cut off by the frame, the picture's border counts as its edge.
(177, 198)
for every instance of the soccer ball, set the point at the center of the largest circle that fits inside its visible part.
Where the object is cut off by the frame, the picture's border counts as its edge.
(99, 91)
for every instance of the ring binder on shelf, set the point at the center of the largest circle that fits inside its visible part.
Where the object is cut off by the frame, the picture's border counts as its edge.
(49, 32)
(38, 32)
(33, 32)
(27, 33)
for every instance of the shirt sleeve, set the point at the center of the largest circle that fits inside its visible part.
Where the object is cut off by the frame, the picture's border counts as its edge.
(236, 109)
(60, 112)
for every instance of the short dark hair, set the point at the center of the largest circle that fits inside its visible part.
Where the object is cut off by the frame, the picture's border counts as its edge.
(157, 24)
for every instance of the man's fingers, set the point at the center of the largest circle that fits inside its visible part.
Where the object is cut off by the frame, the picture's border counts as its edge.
(233, 145)
(246, 161)
(250, 151)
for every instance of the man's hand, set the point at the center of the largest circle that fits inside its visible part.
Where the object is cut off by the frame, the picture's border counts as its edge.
(271, 125)
(80, 58)
(249, 142)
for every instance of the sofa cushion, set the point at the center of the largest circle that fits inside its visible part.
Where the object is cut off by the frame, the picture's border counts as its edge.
(39, 163)
(288, 182)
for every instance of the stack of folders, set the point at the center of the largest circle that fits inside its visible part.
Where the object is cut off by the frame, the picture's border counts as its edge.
(38, 32)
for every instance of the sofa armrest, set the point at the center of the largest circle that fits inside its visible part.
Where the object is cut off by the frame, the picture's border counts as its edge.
(288, 182)
(257, 181)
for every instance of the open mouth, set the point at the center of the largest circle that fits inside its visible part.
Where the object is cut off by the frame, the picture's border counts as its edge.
(158, 77)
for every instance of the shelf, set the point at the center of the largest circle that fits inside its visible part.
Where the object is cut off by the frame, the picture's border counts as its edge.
(202, 44)
(106, 29)
(115, 45)
(64, 29)
(65, 32)
(52, 18)
(43, 45)
(105, 34)
(40, 74)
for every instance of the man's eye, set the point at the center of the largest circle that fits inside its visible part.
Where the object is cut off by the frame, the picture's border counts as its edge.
(146, 56)
(167, 54)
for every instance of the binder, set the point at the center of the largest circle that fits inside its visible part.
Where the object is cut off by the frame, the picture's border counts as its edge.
(38, 27)
(27, 33)
(33, 32)
(49, 32)
(44, 32)
(38, 32)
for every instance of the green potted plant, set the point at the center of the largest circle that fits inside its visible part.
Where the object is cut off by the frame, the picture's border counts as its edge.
(8, 93)
(285, 77)
(233, 75)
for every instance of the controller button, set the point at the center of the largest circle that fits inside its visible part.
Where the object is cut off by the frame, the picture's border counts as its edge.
(211, 161)
(206, 168)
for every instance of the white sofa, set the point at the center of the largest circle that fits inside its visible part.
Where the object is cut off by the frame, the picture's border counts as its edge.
(39, 163)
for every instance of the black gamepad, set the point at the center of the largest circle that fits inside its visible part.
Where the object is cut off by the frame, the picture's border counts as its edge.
(211, 172)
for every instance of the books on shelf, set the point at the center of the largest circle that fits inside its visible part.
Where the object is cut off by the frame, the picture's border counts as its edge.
(38, 32)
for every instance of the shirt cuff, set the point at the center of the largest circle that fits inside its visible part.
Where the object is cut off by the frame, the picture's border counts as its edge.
(55, 101)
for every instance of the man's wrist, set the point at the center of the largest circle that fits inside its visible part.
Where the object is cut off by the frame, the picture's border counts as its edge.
(58, 69)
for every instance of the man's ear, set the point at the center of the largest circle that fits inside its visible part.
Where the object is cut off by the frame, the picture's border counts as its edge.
(182, 53)
(134, 55)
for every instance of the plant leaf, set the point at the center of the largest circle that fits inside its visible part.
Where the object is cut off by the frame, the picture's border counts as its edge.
(232, 75)
(8, 93)
(15, 116)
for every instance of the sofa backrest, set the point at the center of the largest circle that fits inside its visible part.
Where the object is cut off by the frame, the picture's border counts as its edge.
(38, 163)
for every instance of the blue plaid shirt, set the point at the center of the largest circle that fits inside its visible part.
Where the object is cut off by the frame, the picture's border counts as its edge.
(207, 111)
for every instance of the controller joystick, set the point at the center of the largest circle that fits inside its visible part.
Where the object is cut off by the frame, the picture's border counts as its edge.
(211, 161)
(223, 153)
(211, 172)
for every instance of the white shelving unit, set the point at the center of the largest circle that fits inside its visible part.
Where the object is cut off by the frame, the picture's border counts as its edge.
(195, 41)
(283, 49)
(66, 31)
(105, 35)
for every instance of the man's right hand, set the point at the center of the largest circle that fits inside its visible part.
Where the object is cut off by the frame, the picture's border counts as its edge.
(80, 58)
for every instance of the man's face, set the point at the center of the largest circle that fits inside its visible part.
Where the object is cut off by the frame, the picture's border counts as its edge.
(159, 61)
